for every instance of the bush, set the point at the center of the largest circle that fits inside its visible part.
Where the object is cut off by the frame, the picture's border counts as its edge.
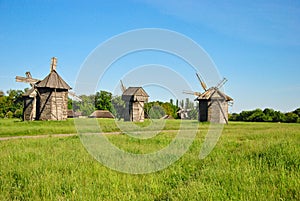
(18, 113)
(9, 114)
(267, 115)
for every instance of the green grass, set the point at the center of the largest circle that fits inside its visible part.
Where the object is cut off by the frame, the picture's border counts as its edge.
(252, 161)
(16, 127)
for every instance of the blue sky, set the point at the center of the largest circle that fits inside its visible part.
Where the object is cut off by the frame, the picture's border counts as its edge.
(254, 44)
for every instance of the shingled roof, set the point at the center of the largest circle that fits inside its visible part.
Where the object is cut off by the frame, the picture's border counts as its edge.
(101, 114)
(208, 94)
(53, 80)
(131, 91)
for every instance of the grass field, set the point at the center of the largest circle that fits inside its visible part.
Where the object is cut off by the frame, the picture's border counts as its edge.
(252, 161)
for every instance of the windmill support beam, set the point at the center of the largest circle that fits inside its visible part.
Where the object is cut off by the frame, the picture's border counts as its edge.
(224, 116)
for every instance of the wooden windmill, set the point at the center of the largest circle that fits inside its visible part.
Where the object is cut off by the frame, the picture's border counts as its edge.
(29, 98)
(213, 104)
(48, 98)
(134, 98)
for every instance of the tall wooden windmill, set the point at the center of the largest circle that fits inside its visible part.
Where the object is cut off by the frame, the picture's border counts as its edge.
(48, 98)
(134, 98)
(213, 104)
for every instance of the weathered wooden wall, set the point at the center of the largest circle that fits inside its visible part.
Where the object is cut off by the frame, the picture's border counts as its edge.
(209, 110)
(52, 104)
(134, 111)
(27, 108)
(138, 111)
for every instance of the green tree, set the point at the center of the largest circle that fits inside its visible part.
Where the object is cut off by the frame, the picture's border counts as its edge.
(279, 117)
(103, 101)
(118, 107)
(193, 114)
(11, 105)
(256, 115)
(86, 106)
(269, 114)
(156, 112)
(70, 104)
(167, 107)
(297, 112)
(291, 117)
(233, 117)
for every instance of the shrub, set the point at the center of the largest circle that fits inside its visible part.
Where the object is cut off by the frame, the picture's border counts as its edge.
(9, 114)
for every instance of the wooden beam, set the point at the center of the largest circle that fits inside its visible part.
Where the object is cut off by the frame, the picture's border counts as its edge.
(223, 113)
(26, 80)
(53, 64)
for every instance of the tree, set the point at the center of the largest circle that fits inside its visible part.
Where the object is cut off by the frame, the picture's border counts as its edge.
(233, 117)
(256, 115)
(279, 117)
(193, 114)
(11, 105)
(70, 104)
(297, 112)
(118, 107)
(291, 117)
(156, 112)
(181, 103)
(86, 106)
(103, 101)
(269, 114)
(159, 109)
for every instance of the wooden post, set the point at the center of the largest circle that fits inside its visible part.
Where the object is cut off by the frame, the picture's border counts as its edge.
(53, 64)
(56, 104)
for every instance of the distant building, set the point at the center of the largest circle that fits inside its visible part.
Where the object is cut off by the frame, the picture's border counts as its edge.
(48, 98)
(213, 106)
(134, 98)
(73, 114)
(102, 114)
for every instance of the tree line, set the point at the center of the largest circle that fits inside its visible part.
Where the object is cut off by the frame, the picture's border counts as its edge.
(11, 106)
(266, 115)
(104, 100)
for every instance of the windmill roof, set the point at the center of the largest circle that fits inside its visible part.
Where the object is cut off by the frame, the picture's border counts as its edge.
(53, 80)
(131, 91)
(101, 114)
(28, 92)
(208, 94)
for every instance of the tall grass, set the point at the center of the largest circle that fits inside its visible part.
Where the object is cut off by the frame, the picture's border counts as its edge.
(16, 127)
(252, 161)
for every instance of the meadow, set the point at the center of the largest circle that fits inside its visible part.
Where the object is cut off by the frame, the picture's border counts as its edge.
(251, 161)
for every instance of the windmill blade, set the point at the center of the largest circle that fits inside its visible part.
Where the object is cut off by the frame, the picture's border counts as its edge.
(71, 93)
(191, 92)
(220, 84)
(201, 82)
(123, 88)
(26, 80)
